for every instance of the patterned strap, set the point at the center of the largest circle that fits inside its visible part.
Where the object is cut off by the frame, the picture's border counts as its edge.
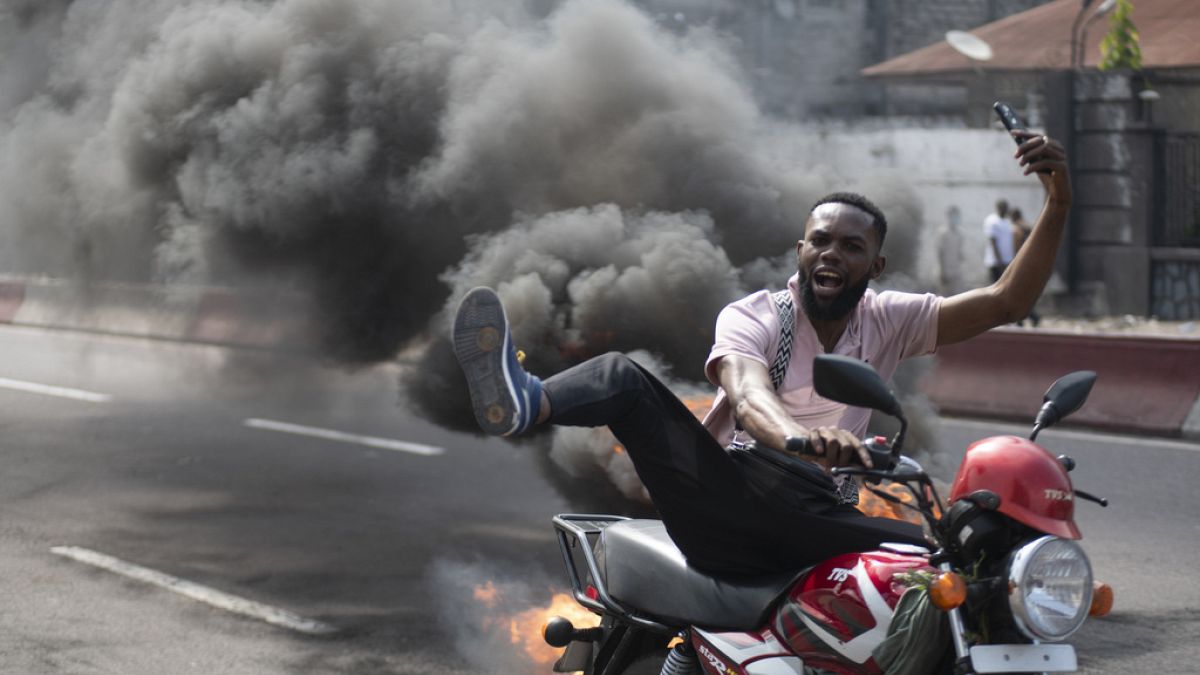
(847, 491)
(787, 319)
(847, 488)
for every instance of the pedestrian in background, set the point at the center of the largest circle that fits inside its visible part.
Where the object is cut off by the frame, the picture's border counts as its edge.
(950, 241)
(998, 238)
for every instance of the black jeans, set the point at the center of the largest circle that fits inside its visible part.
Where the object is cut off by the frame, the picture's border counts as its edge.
(712, 512)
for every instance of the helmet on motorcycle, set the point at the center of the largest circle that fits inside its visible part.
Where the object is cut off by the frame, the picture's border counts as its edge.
(1033, 486)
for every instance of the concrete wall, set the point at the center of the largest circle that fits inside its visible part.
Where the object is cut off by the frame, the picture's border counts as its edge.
(917, 23)
(1114, 197)
(804, 56)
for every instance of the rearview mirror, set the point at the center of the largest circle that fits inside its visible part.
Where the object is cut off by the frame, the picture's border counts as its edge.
(1064, 397)
(1070, 391)
(850, 381)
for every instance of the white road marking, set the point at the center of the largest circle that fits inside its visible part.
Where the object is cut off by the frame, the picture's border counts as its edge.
(344, 437)
(226, 601)
(50, 390)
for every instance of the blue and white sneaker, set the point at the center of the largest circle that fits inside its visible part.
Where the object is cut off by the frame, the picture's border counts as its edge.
(505, 397)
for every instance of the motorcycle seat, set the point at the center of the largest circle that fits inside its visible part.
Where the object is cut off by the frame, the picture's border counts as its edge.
(645, 571)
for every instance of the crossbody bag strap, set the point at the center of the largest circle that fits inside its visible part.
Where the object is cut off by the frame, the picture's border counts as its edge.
(787, 321)
(847, 488)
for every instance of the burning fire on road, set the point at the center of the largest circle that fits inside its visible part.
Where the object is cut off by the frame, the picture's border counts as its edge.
(524, 628)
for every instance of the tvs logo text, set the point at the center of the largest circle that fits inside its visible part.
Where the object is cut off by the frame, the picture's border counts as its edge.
(1059, 495)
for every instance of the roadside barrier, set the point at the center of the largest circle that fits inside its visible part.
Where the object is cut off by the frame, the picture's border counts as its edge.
(228, 316)
(1145, 384)
(12, 294)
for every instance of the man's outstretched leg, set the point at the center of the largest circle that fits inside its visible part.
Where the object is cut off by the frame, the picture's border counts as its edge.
(678, 461)
(506, 399)
(712, 513)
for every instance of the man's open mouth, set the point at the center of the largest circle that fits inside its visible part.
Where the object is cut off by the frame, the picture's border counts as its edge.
(827, 280)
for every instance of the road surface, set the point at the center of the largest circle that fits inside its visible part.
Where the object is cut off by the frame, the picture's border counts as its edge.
(182, 508)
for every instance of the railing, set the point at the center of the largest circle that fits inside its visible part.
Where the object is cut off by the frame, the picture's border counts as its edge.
(1178, 218)
(1175, 262)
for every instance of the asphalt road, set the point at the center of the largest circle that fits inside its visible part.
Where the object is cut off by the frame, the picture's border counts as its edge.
(172, 458)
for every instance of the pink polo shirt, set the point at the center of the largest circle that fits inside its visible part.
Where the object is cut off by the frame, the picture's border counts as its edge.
(883, 329)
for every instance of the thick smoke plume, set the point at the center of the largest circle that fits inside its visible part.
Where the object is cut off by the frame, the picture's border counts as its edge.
(614, 181)
(345, 149)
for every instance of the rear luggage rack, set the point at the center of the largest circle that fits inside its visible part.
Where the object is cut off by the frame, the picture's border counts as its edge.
(576, 529)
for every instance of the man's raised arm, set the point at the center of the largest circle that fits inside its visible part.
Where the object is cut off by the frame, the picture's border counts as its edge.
(1011, 298)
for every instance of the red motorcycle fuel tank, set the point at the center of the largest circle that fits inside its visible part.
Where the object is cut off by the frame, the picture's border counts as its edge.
(1033, 486)
(838, 612)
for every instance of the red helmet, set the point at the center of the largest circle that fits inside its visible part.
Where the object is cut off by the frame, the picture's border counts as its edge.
(1033, 486)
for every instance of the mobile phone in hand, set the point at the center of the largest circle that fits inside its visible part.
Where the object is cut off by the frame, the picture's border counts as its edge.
(1008, 117)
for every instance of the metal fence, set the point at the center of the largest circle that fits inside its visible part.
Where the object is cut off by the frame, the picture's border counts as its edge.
(1178, 218)
(1175, 268)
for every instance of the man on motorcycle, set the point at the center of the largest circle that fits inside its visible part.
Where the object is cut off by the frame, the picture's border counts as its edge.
(708, 503)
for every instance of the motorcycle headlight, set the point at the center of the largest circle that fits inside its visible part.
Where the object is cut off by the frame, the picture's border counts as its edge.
(1050, 588)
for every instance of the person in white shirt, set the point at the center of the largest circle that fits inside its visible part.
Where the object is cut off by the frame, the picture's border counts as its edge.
(998, 237)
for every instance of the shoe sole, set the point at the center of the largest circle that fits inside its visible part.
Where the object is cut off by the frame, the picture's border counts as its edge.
(481, 345)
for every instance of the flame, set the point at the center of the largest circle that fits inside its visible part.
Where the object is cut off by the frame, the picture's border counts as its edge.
(699, 405)
(487, 594)
(524, 628)
(873, 505)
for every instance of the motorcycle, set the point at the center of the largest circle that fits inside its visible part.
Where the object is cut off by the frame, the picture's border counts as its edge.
(1002, 585)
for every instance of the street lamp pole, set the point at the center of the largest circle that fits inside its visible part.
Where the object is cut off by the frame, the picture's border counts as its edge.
(1075, 26)
(1079, 30)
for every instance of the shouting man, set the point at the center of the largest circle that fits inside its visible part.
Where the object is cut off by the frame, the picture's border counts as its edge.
(762, 362)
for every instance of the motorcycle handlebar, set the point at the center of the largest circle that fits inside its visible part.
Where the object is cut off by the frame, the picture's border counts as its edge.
(878, 449)
(798, 445)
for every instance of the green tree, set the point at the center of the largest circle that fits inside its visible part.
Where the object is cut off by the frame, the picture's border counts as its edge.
(1120, 48)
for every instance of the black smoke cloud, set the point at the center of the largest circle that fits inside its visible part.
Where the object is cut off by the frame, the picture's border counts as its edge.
(603, 278)
(612, 179)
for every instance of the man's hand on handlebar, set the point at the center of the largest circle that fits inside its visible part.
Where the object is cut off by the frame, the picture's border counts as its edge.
(831, 447)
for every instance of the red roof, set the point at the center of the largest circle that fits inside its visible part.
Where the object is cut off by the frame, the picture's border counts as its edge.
(1040, 39)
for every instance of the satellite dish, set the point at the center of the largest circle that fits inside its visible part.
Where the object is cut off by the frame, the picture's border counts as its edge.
(969, 46)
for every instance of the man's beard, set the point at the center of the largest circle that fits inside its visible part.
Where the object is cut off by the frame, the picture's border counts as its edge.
(842, 304)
